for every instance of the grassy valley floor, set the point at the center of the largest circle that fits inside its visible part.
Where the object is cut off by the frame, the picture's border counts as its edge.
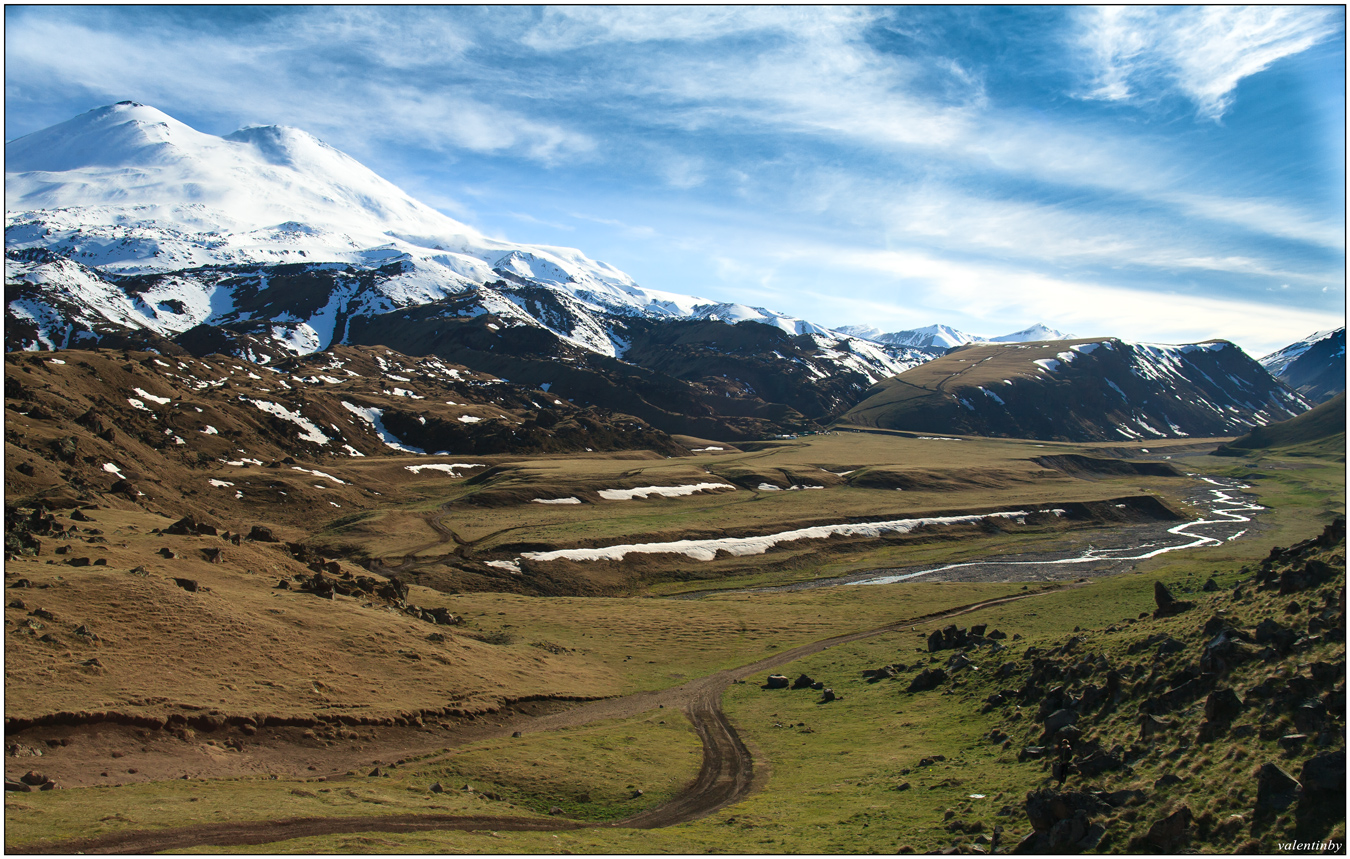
(878, 769)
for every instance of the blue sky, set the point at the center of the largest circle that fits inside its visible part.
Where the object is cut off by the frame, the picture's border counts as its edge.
(1166, 174)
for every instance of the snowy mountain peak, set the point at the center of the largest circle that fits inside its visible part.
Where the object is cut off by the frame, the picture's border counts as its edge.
(1035, 333)
(123, 135)
(128, 190)
(946, 337)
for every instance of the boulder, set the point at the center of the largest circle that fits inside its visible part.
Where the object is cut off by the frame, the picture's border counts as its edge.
(1324, 775)
(927, 679)
(187, 584)
(826, 695)
(1272, 633)
(1275, 789)
(1168, 605)
(1062, 822)
(1059, 719)
(263, 534)
(1171, 833)
(1222, 706)
(1152, 726)
(947, 638)
(776, 681)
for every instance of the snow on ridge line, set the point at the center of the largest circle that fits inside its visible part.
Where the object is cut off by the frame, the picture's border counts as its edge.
(706, 550)
(664, 491)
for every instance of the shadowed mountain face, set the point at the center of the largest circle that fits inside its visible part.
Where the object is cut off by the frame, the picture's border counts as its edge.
(1085, 390)
(1318, 432)
(1315, 367)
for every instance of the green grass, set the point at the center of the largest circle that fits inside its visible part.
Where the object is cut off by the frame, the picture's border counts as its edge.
(590, 772)
(835, 769)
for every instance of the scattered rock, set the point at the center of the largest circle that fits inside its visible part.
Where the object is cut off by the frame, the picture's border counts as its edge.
(805, 682)
(1172, 832)
(927, 679)
(1152, 726)
(1059, 719)
(189, 585)
(262, 534)
(776, 681)
(1324, 775)
(1168, 605)
(1222, 706)
(438, 788)
(1275, 788)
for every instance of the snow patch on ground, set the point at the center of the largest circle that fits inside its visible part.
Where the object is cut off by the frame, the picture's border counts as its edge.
(449, 468)
(320, 474)
(663, 491)
(311, 432)
(567, 500)
(707, 550)
(375, 417)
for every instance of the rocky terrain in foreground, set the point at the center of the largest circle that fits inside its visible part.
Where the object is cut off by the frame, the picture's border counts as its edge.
(1214, 724)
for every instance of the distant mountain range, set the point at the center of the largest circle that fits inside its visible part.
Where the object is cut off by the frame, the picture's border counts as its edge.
(1314, 366)
(125, 228)
(942, 337)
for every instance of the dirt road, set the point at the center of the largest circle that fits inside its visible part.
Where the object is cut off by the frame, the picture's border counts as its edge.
(728, 774)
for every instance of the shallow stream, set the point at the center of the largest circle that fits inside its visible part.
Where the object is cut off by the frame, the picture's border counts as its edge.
(1228, 517)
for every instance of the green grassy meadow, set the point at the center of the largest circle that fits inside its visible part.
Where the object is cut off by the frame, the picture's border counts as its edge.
(848, 776)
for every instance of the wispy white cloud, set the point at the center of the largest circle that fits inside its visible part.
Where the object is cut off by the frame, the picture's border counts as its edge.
(998, 293)
(287, 70)
(808, 123)
(1202, 52)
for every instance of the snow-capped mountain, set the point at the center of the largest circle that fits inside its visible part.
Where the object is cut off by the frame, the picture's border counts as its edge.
(124, 225)
(943, 337)
(1083, 390)
(1315, 365)
(1035, 334)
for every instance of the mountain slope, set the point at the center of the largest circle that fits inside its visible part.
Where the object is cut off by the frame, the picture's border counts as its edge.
(171, 432)
(1319, 432)
(127, 228)
(1083, 390)
(1314, 366)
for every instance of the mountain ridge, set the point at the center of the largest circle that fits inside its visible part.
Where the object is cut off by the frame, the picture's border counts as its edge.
(1081, 390)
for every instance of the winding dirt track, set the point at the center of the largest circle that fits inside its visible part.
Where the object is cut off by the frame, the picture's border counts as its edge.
(728, 773)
